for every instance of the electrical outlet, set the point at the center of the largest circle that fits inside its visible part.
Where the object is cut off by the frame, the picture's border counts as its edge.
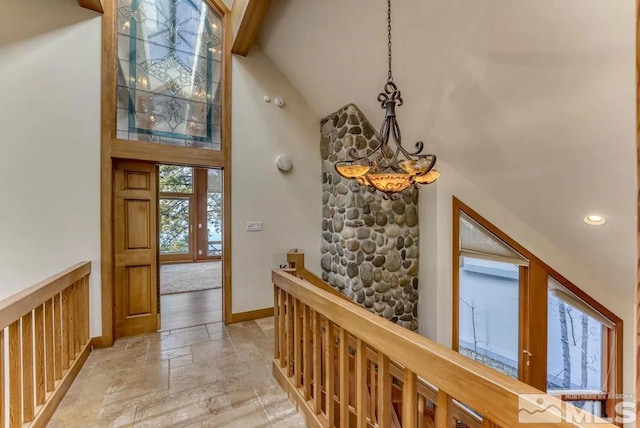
(254, 226)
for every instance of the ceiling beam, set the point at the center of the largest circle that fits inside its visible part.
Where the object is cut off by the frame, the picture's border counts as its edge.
(95, 5)
(248, 16)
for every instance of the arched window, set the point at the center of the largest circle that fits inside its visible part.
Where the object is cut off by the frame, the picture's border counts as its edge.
(169, 73)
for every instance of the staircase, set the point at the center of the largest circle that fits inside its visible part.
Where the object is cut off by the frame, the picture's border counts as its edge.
(345, 367)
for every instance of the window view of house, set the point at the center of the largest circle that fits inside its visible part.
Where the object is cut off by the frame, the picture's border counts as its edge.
(176, 188)
(489, 313)
(576, 339)
(575, 342)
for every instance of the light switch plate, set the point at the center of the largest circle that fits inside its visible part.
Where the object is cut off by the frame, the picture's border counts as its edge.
(254, 226)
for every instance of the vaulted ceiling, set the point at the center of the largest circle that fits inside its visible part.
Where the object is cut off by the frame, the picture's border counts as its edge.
(532, 100)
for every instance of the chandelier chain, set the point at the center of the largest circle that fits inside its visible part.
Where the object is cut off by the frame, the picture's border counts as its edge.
(390, 74)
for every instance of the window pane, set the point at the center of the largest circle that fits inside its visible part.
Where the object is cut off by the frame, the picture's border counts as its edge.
(176, 179)
(169, 72)
(174, 226)
(594, 407)
(574, 347)
(214, 213)
(489, 313)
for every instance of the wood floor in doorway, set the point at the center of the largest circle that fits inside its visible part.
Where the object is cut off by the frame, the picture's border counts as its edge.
(190, 309)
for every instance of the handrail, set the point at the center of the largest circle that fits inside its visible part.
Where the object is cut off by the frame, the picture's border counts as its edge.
(295, 260)
(18, 304)
(46, 330)
(496, 397)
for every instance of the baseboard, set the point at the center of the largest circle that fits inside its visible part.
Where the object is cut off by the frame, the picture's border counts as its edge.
(251, 315)
(50, 406)
(101, 342)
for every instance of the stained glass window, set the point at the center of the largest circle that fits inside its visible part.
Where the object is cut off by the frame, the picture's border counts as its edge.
(169, 72)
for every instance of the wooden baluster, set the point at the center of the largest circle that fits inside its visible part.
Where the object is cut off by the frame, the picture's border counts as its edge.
(344, 377)
(87, 318)
(443, 411)
(421, 405)
(290, 337)
(317, 366)
(297, 343)
(27, 368)
(307, 354)
(58, 337)
(361, 384)
(2, 378)
(276, 324)
(49, 345)
(282, 327)
(15, 381)
(330, 351)
(40, 358)
(66, 357)
(384, 392)
(79, 328)
(409, 399)
(71, 324)
(372, 392)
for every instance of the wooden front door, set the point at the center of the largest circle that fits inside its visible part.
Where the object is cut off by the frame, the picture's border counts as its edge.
(136, 274)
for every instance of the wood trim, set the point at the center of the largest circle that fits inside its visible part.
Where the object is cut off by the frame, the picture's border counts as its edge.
(227, 289)
(113, 148)
(459, 205)
(248, 16)
(537, 320)
(251, 315)
(107, 131)
(455, 275)
(166, 154)
(16, 305)
(537, 297)
(50, 406)
(95, 5)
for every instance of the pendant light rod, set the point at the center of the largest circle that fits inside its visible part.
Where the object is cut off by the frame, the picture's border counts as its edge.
(389, 55)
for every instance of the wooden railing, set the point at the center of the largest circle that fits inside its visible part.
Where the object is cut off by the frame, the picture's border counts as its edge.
(346, 367)
(46, 327)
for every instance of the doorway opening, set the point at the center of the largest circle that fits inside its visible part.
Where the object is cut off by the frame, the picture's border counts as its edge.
(190, 230)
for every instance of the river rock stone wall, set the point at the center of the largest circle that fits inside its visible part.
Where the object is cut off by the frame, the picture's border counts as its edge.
(369, 244)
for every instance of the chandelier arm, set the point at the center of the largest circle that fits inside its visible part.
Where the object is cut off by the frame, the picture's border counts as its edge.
(397, 140)
(353, 154)
(419, 147)
(431, 165)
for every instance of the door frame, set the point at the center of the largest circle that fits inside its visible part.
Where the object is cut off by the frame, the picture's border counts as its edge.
(113, 148)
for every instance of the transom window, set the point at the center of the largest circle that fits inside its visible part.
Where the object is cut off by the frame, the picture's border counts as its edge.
(169, 73)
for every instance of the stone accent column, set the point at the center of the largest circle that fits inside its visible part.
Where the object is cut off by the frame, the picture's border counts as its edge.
(369, 244)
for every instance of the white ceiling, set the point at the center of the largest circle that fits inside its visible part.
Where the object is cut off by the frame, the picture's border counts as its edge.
(534, 100)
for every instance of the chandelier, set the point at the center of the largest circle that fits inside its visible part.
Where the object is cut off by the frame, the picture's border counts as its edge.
(389, 170)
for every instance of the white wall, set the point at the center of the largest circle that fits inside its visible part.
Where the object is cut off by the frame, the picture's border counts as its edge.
(49, 157)
(289, 205)
(50, 143)
(435, 309)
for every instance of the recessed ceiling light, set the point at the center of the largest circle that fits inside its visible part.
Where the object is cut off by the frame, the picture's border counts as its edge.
(595, 220)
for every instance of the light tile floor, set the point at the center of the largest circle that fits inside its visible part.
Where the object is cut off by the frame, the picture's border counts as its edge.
(204, 376)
